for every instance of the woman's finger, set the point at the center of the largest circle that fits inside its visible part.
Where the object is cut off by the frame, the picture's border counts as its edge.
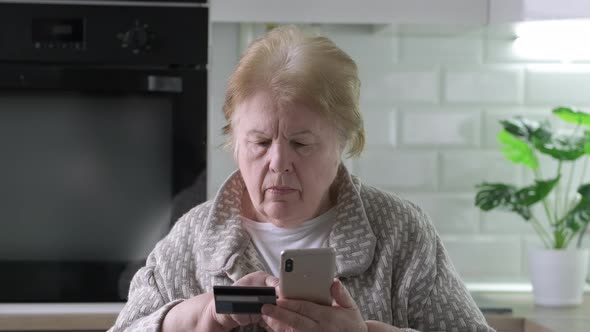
(252, 279)
(257, 278)
(280, 319)
(265, 326)
(308, 309)
(271, 281)
(341, 295)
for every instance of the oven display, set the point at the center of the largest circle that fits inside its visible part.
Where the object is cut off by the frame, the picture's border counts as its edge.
(50, 32)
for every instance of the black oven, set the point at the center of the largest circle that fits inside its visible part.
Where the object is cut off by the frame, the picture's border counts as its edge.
(103, 140)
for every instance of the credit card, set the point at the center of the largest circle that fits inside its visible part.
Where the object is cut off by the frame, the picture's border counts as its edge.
(242, 299)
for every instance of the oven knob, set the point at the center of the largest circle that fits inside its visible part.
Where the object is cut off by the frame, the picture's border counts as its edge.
(137, 39)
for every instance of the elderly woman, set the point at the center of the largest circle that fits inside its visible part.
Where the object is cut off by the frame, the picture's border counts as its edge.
(292, 110)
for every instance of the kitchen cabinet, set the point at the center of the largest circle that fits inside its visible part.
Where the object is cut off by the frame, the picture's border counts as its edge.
(472, 12)
(505, 11)
(456, 12)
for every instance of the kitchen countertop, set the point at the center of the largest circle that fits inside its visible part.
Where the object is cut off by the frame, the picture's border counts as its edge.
(58, 316)
(557, 319)
(100, 316)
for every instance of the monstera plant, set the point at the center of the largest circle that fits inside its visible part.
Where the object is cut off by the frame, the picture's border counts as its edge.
(522, 141)
(562, 215)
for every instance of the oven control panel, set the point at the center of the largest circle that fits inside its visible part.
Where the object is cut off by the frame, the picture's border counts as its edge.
(138, 38)
(115, 33)
(51, 33)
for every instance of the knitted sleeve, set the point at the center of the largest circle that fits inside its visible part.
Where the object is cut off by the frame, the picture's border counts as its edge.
(437, 298)
(147, 305)
(163, 282)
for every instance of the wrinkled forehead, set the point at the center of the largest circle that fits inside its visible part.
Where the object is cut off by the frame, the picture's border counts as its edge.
(264, 113)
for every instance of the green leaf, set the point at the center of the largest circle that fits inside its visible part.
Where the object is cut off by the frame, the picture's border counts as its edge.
(568, 114)
(584, 191)
(535, 193)
(498, 195)
(562, 147)
(493, 195)
(580, 214)
(587, 142)
(516, 150)
(527, 129)
(507, 197)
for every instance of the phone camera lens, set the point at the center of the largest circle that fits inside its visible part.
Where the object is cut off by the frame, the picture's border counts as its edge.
(289, 265)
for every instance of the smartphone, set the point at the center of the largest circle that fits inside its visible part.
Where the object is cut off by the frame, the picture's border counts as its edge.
(307, 274)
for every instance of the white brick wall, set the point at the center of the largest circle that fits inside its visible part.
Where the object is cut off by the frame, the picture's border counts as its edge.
(484, 84)
(461, 169)
(431, 106)
(554, 84)
(486, 257)
(428, 50)
(400, 85)
(381, 127)
(408, 170)
(223, 54)
(423, 128)
(450, 213)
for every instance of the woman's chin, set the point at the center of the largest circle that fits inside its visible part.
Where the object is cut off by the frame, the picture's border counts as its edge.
(283, 215)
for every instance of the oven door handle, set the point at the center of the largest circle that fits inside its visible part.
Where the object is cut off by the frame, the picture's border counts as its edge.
(94, 79)
(125, 80)
(158, 83)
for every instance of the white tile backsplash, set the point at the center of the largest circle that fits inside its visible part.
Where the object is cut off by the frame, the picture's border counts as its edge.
(380, 127)
(450, 213)
(482, 85)
(558, 84)
(501, 50)
(440, 50)
(224, 52)
(431, 106)
(504, 222)
(403, 85)
(369, 53)
(388, 168)
(485, 256)
(221, 167)
(462, 170)
(440, 127)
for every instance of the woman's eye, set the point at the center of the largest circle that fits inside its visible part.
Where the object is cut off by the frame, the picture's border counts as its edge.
(298, 144)
(262, 143)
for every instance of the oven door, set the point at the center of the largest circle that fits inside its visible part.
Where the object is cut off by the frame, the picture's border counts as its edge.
(95, 166)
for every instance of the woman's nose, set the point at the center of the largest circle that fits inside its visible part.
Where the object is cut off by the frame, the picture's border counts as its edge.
(280, 158)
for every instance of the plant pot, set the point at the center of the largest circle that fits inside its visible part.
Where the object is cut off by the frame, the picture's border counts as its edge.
(558, 276)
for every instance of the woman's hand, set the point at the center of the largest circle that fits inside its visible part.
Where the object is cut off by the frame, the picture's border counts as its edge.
(232, 320)
(198, 313)
(296, 315)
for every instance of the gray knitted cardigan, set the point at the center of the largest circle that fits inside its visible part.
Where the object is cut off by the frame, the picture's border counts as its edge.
(388, 255)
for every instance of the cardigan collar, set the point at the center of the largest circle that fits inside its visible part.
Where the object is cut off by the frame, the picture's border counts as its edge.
(225, 246)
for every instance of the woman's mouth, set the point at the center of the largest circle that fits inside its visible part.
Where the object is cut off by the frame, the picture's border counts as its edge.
(280, 190)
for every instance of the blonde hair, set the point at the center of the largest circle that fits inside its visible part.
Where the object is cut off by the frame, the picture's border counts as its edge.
(298, 68)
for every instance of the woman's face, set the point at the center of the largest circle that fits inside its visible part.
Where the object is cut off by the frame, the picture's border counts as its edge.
(288, 159)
